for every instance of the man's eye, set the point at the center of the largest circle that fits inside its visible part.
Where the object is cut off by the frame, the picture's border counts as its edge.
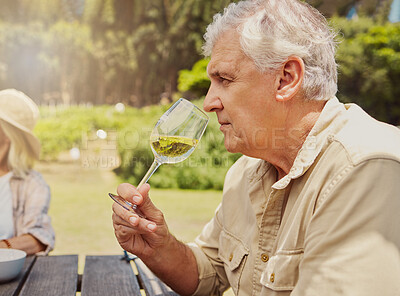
(224, 80)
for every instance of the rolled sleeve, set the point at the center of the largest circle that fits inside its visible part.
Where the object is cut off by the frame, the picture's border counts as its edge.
(206, 271)
(36, 220)
(212, 277)
(32, 211)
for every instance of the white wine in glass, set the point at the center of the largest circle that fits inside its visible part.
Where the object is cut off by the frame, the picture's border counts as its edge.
(173, 139)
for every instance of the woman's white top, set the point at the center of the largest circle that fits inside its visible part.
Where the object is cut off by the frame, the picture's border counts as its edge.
(6, 210)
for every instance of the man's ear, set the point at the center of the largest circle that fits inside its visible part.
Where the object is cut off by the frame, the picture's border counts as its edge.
(291, 78)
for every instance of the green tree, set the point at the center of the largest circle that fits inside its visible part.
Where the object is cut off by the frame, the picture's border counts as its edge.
(370, 70)
(167, 40)
(101, 51)
(372, 8)
(332, 7)
(20, 49)
(160, 37)
(195, 81)
(75, 45)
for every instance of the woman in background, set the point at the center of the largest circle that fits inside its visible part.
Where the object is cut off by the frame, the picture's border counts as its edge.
(24, 195)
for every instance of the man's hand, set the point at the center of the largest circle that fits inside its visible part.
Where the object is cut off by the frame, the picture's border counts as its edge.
(149, 239)
(140, 236)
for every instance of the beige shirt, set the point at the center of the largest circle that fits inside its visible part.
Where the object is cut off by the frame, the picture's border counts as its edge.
(31, 200)
(329, 227)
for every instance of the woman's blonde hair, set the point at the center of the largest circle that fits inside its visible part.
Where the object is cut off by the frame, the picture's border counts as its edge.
(20, 157)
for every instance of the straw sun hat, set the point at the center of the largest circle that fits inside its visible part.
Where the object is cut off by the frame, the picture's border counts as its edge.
(20, 111)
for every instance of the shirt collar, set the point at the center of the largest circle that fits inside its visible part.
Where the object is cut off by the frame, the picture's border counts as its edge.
(322, 132)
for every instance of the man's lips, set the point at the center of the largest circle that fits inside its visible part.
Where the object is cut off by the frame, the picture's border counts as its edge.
(223, 125)
(223, 122)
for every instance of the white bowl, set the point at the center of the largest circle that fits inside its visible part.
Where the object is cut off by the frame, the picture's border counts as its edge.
(11, 263)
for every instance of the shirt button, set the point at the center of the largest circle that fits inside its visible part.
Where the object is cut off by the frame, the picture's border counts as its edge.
(272, 277)
(230, 257)
(264, 257)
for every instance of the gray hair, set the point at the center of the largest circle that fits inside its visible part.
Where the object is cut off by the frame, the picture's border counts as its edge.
(273, 30)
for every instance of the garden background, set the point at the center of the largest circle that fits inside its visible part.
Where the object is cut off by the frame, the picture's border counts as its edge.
(103, 71)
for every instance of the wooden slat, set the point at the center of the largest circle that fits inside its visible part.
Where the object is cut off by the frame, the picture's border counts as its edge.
(13, 287)
(152, 285)
(108, 275)
(52, 275)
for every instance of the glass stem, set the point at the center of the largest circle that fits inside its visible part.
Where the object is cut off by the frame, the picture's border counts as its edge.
(150, 172)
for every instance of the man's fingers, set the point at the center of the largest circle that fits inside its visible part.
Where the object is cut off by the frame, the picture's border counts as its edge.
(132, 194)
(140, 197)
(147, 207)
(128, 219)
(121, 212)
(117, 220)
(142, 225)
(128, 191)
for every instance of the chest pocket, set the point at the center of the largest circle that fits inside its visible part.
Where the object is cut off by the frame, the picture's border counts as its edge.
(282, 271)
(234, 254)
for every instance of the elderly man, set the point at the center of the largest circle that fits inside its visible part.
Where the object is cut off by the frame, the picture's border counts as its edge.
(312, 206)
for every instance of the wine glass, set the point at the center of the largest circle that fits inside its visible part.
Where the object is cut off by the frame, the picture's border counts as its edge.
(174, 137)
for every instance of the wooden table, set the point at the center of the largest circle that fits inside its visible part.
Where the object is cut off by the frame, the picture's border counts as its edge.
(102, 275)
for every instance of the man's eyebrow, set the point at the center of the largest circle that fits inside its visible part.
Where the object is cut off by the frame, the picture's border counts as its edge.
(218, 73)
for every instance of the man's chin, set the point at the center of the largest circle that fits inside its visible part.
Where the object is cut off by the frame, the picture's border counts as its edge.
(231, 147)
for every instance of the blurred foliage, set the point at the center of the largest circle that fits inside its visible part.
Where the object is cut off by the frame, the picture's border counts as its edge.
(377, 9)
(61, 129)
(195, 80)
(369, 67)
(64, 128)
(100, 51)
(348, 29)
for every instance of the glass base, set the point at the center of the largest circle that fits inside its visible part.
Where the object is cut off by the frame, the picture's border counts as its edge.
(126, 205)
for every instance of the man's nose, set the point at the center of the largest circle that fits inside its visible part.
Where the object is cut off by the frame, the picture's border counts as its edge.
(212, 101)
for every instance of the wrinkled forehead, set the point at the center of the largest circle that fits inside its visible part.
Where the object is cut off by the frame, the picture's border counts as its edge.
(227, 52)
